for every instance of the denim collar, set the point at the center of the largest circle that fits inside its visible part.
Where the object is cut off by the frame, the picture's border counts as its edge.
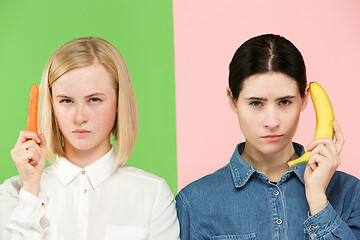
(241, 171)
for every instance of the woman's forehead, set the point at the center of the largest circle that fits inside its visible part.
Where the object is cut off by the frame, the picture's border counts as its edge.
(270, 83)
(85, 79)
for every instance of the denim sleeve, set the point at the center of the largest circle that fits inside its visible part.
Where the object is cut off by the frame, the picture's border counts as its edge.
(187, 229)
(327, 224)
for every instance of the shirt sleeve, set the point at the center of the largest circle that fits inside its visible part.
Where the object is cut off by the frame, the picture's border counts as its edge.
(187, 231)
(22, 216)
(327, 224)
(164, 224)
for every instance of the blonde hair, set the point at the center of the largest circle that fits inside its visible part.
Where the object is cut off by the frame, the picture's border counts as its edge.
(83, 52)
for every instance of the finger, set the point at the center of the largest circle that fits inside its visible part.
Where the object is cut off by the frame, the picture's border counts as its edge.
(33, 162)
(42, 141)
(27, 135)
(324, 157)
(312, 163)
(32, 156)
(316, 151)
(314, 143)
(339, 137)
(42, 147)
(324, 151)
(30, 146)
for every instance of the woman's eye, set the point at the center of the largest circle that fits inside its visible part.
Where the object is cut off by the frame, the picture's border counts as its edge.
(284, 102)
(65, 101)
(255, 104)
(95, 100)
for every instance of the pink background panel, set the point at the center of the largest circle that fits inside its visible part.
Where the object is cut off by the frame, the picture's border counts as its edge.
(208, 32)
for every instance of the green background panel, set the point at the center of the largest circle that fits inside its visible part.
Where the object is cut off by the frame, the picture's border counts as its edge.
(142, 30)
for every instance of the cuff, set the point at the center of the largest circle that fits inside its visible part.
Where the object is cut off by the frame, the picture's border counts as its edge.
(32, 210)
(29, 199)
(323, 222)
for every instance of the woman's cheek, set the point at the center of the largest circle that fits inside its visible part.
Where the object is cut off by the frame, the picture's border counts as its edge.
(108, 116)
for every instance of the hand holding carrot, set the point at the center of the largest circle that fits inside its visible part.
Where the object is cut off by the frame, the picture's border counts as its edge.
(29, 157)
(29, 151)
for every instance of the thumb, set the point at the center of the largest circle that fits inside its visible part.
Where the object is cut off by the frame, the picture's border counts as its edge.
(42, 141)
(42, 146)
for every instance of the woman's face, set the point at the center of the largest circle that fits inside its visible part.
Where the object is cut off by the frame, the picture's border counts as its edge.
(268, 110)
(85, 106)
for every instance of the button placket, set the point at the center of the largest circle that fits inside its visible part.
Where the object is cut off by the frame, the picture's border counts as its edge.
(83, 205)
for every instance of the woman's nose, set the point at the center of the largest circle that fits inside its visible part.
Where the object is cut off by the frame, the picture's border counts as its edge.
(271, 118)
(80, 114)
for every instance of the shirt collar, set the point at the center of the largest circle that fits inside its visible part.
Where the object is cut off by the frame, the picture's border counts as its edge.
(96, 172)
(241, 171)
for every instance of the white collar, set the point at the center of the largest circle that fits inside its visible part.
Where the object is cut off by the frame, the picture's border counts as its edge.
(97, 172)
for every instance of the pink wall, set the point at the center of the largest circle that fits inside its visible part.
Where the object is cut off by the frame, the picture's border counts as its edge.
(207, 32)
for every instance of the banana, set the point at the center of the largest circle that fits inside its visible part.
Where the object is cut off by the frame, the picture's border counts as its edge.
(324, 118)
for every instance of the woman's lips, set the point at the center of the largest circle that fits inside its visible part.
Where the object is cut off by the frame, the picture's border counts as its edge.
(272, 137)
(81, 132)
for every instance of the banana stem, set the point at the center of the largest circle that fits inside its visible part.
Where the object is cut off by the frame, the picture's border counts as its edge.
(303, 158)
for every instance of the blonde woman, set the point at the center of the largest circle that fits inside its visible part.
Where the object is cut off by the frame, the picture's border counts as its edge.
(89, 192)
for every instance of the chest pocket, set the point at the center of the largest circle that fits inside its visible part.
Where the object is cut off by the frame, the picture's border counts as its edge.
(113, 232)
(250, 236)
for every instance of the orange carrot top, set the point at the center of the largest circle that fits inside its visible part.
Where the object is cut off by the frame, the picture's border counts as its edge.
(31, 124)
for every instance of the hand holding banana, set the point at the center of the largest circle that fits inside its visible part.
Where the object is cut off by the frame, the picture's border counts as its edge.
(324, 118)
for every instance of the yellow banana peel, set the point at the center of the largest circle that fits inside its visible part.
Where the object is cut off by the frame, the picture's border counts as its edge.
(324, 118)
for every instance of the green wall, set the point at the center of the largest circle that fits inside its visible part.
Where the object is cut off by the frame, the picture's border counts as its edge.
(142, 31)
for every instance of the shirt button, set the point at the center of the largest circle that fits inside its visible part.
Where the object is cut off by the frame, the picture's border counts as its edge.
(85, 191)
(312, 228)
(276, 192)
(83, 172)
(42, 204)
(279, 221)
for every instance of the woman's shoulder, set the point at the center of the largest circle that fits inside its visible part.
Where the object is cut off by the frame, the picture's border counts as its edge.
(345, 180)
(344, 186)
(137, 175)
(138, 181)
(220, 180)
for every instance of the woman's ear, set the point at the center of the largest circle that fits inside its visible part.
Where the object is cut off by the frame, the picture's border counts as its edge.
(305, 99)
(232, 102)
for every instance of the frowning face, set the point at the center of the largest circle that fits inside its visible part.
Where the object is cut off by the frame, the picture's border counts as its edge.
(85, 103)
(268, 110)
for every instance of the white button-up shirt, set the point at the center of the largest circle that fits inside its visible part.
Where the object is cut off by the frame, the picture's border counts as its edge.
(97, 202)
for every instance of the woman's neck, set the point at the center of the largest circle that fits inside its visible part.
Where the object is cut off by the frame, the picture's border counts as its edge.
(83, 158)
(274, 165)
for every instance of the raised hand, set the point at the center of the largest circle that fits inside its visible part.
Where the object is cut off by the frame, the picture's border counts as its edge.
(29, 155)
(323, 162)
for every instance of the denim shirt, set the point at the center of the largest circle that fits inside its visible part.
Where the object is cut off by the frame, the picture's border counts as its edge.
(239, 202)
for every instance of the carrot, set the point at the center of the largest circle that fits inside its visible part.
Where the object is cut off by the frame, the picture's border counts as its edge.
(31, 124)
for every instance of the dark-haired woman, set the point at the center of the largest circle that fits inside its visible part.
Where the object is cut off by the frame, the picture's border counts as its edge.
(256, 195)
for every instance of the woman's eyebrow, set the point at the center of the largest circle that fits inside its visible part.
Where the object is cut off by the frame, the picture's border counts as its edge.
(284, 98)
(95, 94)
(63, 96)
(265, 99)
(88, 96)
(256, 99)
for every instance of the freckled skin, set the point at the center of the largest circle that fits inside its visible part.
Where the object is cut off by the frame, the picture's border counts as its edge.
(76, 108)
